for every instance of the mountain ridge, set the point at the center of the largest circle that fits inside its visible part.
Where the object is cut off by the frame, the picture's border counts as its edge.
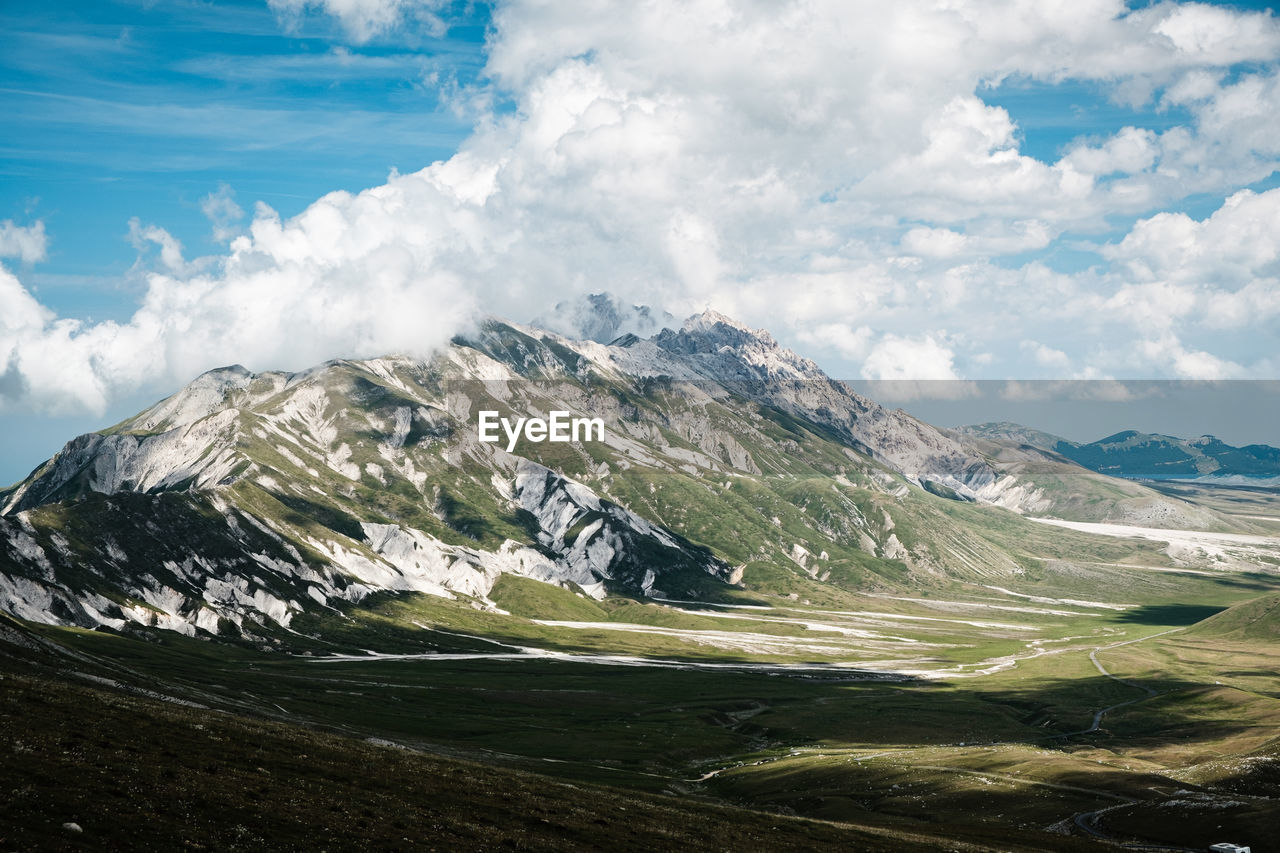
(1153, 456)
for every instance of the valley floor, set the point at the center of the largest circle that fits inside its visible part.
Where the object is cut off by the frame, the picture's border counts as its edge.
(1131, 700)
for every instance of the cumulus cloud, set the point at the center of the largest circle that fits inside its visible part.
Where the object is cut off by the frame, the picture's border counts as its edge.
(1130, 150)
(983, 239)
(1187, 363)
(26, 243)
(348, 276)
(896, 358)
(827, 169)
(851, 343)
(141, 236)
(1237, 244)
(1047, 356)
(1222, 271)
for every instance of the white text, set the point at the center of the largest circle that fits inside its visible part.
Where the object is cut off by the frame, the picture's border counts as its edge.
(559, 427)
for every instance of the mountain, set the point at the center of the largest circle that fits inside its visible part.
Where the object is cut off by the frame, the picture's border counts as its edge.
(1150, 456)
(247, 505)
(1008, 431)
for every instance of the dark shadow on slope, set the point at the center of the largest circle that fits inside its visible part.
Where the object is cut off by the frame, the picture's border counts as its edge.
(1167, 614)
(322, 514)
(1253, 580)
(132, 773)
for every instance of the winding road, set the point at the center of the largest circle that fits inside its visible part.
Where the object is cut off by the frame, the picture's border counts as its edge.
(1093, 656)
(1086, 821)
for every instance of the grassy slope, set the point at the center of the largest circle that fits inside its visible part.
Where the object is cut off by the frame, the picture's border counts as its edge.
(1200, 761)
(1215, 722)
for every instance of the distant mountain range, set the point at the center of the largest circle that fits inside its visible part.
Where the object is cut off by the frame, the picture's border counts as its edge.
(1150, 456)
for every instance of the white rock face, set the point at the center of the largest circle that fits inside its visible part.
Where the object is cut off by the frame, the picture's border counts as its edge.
(199, 453)
(208, 594)
(205, 395)
(597, 539)
(1011, 494)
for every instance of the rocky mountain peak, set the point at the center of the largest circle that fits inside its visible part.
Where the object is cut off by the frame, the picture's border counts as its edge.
(711, 318)
(310, 489)
(201, 397)
(731, 349)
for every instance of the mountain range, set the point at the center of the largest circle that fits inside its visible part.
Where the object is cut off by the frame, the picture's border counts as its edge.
(1150, 456)
(246, 499)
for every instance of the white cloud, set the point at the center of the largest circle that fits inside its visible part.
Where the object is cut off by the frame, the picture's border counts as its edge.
(1232, 141)
(852, 344)
(970, 166)
(1257, 303)
(36, 353)
(934, 242)
(984, 238)
(220, 208)
(1217, 35)
(19, 311)
(1187, 363)
(896, 358)
(1157, 305)
(1047, 356)
(363, 19)
(1131, 150)
(825, 169)
(170, 249)
(348, 276)
(28, 244)
(1238, 243)
(1193, 86)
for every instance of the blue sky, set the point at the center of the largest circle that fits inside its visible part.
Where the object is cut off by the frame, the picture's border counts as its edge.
(118, 110)
(998, 194)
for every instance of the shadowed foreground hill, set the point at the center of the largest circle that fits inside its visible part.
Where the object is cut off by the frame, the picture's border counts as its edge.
(136, 773)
